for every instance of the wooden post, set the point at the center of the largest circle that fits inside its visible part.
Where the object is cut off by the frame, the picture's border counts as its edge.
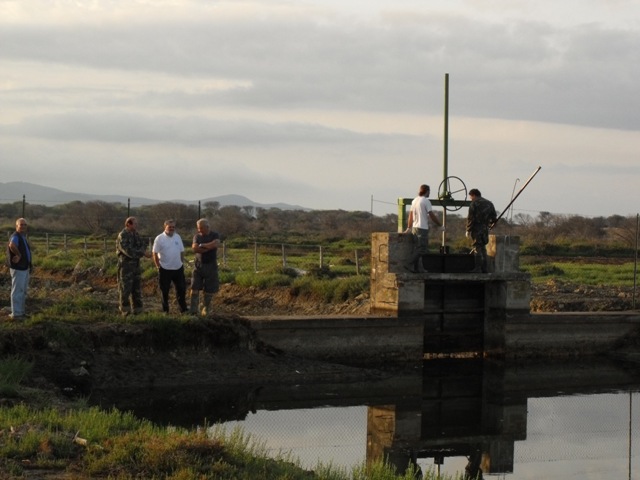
(255, 257)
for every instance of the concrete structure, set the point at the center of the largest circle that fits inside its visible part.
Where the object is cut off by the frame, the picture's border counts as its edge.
(462, 311)
(446, 311)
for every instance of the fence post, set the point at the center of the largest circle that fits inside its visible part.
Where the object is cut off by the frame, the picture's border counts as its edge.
(635, 263)
(224, 254)
(105, 245)
(284, 257)
(47, 244)
(85, 245)
(255, 257)
(321, 256)
(357, 263)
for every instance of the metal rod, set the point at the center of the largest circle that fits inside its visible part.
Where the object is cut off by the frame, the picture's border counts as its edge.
(446, 158)
(514, 198)
(635, 262)
(512, 194)
(446, 130)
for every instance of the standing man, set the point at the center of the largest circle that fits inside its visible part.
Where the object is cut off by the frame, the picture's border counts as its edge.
(418, 226)
(205, 274)
(168, 255)
(20, 265)
(481, 216)
(130, 249)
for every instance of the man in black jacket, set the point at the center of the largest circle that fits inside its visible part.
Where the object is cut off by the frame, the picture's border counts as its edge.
(19, 253)
(481, 216)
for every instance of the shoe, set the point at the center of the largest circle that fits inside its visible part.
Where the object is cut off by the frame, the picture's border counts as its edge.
(409, 269)
(16, 317)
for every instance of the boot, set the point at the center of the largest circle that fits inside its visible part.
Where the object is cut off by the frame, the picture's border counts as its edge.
(477, 258)
(420, 266)
(195, 300)
(206, 304)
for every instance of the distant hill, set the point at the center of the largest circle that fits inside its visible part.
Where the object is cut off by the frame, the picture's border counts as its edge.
(11, 192)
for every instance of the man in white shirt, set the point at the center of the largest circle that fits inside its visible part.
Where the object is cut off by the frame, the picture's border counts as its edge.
(168, 255)
(418, 225)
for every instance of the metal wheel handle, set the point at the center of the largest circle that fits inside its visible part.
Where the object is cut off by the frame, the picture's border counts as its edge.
(452, 188)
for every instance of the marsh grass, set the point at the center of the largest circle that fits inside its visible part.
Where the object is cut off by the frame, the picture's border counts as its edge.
(91, 443)
(12, 371)
(620, 275)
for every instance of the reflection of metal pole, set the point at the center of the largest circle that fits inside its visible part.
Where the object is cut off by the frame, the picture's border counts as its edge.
(630, 430)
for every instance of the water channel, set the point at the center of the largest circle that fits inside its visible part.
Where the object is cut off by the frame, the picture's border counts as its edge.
(563, 420)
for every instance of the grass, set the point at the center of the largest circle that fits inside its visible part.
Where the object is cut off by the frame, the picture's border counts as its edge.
(12, 371)
(91, 443)
(583, 273)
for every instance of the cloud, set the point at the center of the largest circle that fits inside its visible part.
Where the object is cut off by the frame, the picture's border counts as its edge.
(319, 104)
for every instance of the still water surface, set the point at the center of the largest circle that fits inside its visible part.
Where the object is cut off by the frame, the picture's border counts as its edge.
(577, 436)
(573, 419)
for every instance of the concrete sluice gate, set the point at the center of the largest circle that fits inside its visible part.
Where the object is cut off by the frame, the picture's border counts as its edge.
(484, 314)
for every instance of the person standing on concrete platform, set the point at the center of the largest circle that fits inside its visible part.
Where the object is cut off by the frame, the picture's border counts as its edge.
(19, 260)
(481, 216)
(418, 225)
(205, 273)
(130, 248)
(168, 256)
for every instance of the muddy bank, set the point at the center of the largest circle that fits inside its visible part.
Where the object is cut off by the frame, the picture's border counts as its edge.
(84, 359)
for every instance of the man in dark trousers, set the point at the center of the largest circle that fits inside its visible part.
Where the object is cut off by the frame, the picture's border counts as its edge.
(130, 248)
(205, 274)
(481, 216)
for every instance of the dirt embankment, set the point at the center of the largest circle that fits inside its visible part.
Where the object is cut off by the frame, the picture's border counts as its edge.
(221, 350)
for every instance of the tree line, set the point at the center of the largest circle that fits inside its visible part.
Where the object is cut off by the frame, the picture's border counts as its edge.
(99, 218)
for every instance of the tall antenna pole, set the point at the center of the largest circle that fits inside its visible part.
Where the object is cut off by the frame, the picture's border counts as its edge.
(446, 127)
(446, 193)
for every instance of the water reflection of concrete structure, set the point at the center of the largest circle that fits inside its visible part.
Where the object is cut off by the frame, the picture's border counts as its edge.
(478, 410)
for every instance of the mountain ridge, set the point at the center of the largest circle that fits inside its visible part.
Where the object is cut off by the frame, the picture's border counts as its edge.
(39, 194)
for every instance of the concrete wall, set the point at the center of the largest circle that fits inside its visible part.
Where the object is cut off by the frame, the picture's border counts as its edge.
(569, 333)
(351, 340)
(441, 312)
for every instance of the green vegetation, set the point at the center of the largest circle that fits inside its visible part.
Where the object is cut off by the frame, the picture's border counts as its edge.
(582, 273)
(12, 371)
(94, 443)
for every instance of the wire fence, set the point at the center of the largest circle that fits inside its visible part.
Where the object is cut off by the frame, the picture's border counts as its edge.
(583, 277)
(253, 257)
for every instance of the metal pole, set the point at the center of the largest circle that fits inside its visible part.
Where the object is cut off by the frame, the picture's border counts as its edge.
(512, 193)
(445, 172)
(446, 128)
(506, 209)
(635, 262)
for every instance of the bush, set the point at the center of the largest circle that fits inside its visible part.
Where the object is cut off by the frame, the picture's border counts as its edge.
(263, 280)
(334, 290)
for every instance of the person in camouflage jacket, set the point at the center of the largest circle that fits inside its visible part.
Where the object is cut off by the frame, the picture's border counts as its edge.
(481, 216)
(130, 248)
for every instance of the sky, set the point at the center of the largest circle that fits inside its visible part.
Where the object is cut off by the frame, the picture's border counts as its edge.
(326, 104)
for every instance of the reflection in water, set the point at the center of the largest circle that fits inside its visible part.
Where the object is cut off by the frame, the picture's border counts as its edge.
(519, 421)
